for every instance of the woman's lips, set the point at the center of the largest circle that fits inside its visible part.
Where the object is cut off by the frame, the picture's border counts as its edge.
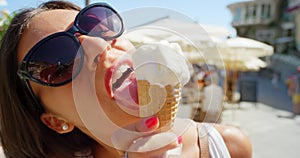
(110, 72)
(126, 93)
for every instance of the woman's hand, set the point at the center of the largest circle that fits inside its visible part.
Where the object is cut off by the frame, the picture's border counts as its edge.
(142, 140)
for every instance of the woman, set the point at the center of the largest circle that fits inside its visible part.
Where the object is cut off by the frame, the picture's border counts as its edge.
(42, 105)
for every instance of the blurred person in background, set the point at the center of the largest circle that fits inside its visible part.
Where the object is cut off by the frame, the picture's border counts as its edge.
(212, 99)
(293, 84)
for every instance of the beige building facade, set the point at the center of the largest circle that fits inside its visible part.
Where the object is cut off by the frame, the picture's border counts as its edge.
(275, 22)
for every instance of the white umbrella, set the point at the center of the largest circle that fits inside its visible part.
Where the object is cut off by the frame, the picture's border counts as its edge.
(250, 64)
(242, 54)
(190, 35)
(192, 30)
(236, 63)
(240, 46)
(148, 34)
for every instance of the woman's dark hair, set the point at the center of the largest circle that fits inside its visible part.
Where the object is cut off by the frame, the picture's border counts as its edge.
(22, 133)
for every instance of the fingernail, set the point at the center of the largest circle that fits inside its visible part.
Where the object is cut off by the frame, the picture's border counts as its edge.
(151, 122)
(179, 139)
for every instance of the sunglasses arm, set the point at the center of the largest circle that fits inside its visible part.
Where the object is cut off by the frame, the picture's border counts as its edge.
(37, 104)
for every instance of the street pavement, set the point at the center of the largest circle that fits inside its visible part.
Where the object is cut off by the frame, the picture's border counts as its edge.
(267, 122)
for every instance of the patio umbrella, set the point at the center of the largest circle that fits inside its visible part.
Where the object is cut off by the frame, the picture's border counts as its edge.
(191, 36)
(192, 30)
(239, 62)
(240, 46)
(245, 64)
(241, 54)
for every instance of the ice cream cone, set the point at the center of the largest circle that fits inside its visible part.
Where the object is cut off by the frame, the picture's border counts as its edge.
(159, 101)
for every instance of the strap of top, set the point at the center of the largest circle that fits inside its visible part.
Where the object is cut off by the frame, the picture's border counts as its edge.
(203, 141)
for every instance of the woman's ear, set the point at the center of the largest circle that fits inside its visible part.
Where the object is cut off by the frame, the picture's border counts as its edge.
(57, 124)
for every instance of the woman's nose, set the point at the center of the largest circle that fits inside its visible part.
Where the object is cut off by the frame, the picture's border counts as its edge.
(93, 48)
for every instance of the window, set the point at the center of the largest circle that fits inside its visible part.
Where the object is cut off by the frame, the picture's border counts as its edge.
(265, 11)
(237, 14)
(250, 12)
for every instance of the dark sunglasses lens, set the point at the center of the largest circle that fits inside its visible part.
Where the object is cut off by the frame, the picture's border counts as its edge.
(101, 21)
(53, 61)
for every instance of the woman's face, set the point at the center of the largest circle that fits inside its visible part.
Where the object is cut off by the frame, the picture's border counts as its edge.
(93, 82)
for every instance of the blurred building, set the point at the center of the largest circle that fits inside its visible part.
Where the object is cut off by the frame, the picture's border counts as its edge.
(275, 22)
(294, 10)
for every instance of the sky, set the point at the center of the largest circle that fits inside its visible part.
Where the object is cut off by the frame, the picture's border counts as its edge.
(208, 12)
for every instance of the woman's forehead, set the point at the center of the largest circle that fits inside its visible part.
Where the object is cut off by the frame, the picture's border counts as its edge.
(52, 21)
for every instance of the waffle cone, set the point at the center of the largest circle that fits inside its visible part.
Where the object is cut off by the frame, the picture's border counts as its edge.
(162, 102)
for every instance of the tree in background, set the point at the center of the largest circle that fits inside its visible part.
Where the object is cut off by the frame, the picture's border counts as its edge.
(5, 19)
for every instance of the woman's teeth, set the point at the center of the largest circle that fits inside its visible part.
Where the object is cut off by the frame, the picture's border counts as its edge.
(120, 75)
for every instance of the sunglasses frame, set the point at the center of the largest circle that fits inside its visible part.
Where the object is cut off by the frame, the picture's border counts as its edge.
(23, 68)
(104, 5)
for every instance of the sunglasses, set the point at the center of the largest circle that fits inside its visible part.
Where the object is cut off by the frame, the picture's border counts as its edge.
(51, 61)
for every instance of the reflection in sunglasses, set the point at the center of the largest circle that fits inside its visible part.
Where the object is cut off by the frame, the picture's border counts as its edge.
(51, 73)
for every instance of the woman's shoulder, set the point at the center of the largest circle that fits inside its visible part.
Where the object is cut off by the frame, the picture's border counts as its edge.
(237, 142)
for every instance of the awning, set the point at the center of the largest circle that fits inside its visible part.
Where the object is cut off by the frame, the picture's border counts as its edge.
(293, 8)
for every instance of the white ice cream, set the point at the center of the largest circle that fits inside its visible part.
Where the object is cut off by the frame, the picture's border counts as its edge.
(161, 64)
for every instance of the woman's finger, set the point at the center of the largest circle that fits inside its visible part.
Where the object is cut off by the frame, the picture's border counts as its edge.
(124, 137)
(147, 125)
